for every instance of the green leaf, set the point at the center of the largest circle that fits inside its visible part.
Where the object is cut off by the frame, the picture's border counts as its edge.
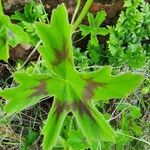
(31, 13)
(102, 31)
(1, 8)
(91, 18)
(85, 30)
(126, 37)
(73, 91)
(76, 140)
(4, 55)
(58, 53)
(53, 125)
(107, 86)
(94, 27)
(28, 94)
(18, 31)
(135, 112)
(8, 31)
(3, 44)
(92, 123)
(100, 17)
(30, 139)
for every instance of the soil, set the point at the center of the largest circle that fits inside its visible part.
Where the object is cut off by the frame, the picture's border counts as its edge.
(11, 5)
(113, 10)
(21, 52)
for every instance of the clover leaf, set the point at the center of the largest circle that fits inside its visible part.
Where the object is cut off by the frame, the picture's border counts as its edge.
(73, 91)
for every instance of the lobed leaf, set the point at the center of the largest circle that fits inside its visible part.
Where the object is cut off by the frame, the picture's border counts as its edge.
(56, 37)
(94, 27)
(73, 91)
(53, 125)
(106, 86)
(93, 124)
(31, 90)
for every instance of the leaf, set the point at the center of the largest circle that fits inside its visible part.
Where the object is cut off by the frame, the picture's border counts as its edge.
(73, 91)
(10, 30)
(76, 140)
(18, 31)
(91, 18)
(93, 124)
(135, 112)
(53, 125)
(30, 139)
(28, 94)
(94, 27)
(85, 30)
(58, 53)
(31, 13)
(3, 44)
(100, 17)
(1, 8)
(126, 37)
(4, 50)
(107, 86)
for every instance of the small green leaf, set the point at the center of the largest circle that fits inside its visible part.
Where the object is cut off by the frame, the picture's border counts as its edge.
(100, 17)
(91, 18)
(76, 140)
(30, 139)
(135, 112)
(94, 27)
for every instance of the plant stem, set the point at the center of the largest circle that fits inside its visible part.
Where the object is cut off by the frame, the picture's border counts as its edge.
(132, 137)
(44, 12)
(119, 114)
(76, 11)
(82, 14)
(33, 51)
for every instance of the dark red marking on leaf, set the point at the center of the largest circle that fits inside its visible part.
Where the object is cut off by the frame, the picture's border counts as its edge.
(61, 55)
(60, 106)
(40, 89)
(89, 89)
(82, 108)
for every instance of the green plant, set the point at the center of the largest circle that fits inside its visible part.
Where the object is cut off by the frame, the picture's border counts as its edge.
(32, 12)
(94, 48)
(81, 60)
(10, 35)
(30, 139)
(73, 91)
(26, 20)
(94, 28)
(128, 43)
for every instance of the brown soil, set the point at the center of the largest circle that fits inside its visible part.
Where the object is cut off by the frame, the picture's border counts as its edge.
(21, 52)
(112, 10)
(11, 5)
